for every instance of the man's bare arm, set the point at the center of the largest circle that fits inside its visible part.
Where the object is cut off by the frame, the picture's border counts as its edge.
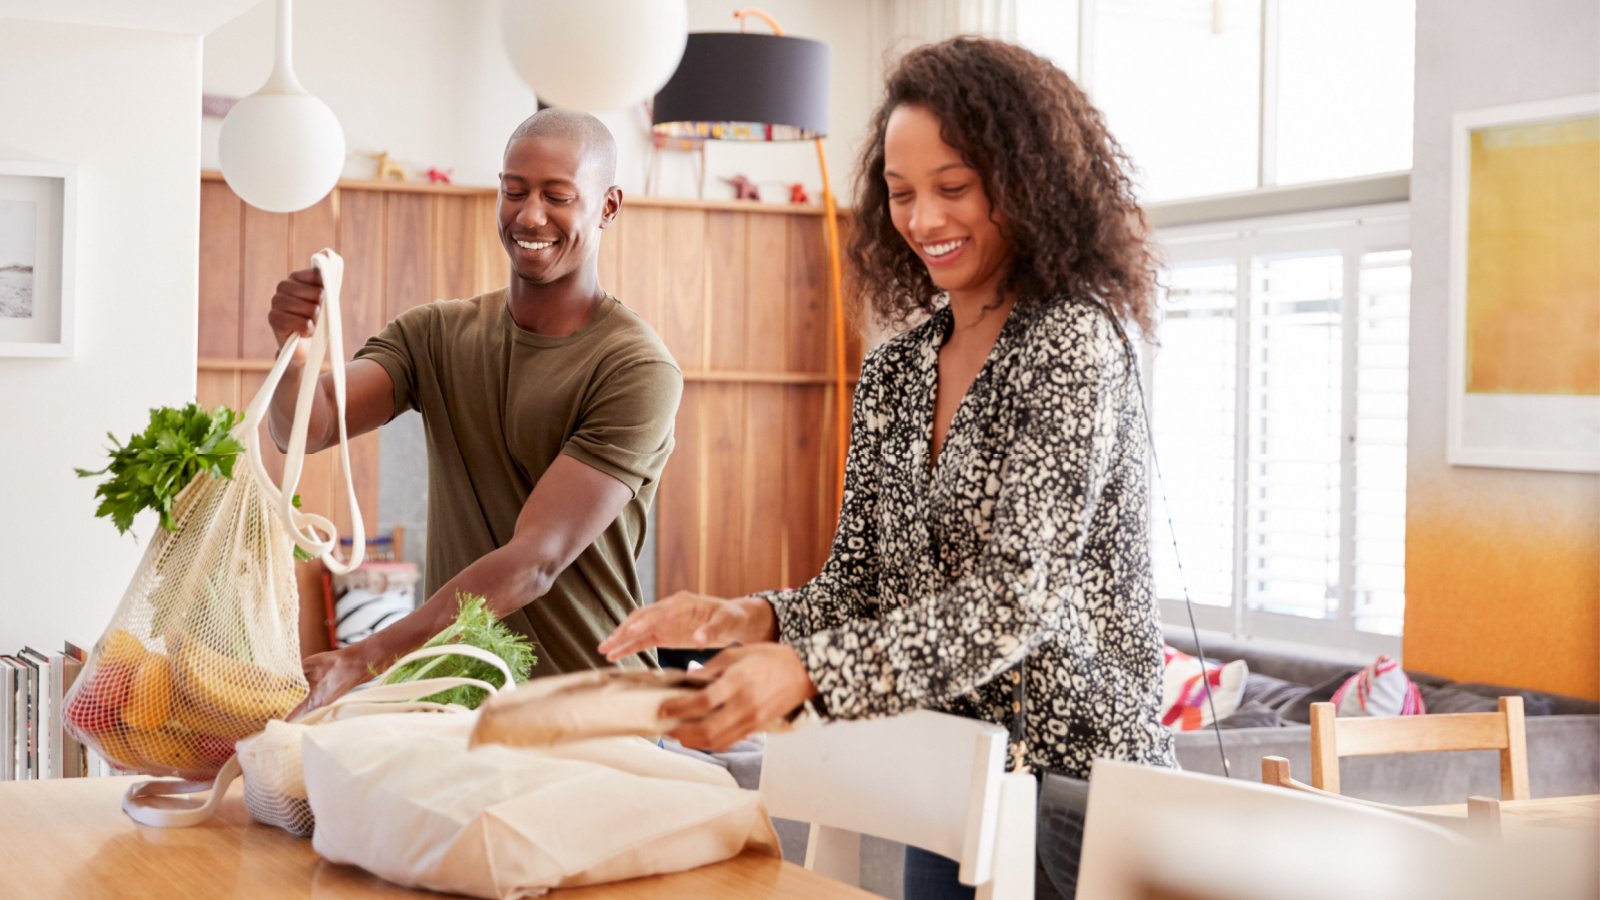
(570, 507)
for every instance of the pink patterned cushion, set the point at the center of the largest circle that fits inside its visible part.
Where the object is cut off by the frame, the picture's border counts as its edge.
(1183, 689)
(1381, 689)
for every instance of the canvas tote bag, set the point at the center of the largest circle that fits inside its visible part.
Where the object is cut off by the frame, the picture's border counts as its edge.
(403, 797)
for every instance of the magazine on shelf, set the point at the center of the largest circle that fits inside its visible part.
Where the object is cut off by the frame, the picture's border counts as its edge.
(47, 722)
(27, 720)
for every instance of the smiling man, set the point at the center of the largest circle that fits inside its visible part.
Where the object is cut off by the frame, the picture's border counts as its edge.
(548, 407)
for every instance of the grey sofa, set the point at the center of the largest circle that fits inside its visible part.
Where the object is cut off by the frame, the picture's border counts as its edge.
(1563, 733)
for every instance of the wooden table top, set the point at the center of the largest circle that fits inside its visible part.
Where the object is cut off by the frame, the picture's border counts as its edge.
(1577, 812)
(69, 838)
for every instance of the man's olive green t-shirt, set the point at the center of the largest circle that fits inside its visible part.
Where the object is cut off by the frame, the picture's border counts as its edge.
(498, 405)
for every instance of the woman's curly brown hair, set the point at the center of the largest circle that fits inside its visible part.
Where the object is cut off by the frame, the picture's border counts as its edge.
(1049, 167)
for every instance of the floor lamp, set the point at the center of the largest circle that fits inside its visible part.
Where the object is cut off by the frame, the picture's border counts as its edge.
(738, 86)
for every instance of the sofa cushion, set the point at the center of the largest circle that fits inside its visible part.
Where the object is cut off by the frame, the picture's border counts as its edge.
(1185, 685)
(1449, 698)
(1253, 714)
(1272, 692)
(1299, 710)
(1381, 689)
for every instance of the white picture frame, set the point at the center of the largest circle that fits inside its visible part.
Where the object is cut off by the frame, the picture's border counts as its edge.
(38, 258)
(1507, 428)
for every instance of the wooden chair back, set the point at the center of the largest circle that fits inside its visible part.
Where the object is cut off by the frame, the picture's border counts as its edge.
(1333, 738)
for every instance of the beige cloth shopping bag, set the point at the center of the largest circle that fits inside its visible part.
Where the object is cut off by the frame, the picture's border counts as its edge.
(403, 797)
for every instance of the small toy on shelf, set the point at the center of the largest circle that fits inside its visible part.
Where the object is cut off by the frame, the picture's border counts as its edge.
(743, 188)
(797, 193)
(387, 167)
(438, 176)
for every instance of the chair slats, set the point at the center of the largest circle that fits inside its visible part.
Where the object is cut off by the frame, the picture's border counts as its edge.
(1333, 738)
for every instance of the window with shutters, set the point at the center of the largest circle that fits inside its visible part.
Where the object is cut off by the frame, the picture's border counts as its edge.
(1278, 408)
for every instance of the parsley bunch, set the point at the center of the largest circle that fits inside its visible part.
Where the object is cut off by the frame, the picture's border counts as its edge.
(477, 626)
(150, 471)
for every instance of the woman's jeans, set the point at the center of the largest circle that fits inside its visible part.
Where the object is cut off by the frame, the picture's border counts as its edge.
(1062, 803)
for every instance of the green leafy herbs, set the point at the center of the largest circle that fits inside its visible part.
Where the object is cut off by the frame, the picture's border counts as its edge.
(477, 626)
(152, 468)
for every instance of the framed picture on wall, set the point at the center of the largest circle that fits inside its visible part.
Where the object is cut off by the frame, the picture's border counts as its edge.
(1524, 381)
(38, 204)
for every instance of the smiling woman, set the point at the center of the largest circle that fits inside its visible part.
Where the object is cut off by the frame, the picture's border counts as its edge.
(1003, 438)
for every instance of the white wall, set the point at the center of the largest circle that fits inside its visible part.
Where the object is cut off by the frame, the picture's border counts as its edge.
(428, 81)
(120, 106)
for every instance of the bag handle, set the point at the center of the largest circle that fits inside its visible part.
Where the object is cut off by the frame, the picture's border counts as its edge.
(384, 694)
(136, 802)
(327, 342)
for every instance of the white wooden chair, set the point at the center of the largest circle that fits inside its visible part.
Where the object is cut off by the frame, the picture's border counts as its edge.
(926, 779)
(1154, 832)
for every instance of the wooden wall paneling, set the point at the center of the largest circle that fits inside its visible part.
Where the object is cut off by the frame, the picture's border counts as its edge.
(454, 248)
(218, 387)
(493, 266)
(365, 469)
(809, 326)
(681, 308)
(221, 212)
(640, 285)
(723, 430)
(727, 290)
(408, 279)
(766, 292)
(264, 261)
(854, 309)
(609, 259)
(361, 243)
(761, 490)
(680, 528)
(805, 456)
(314, 228)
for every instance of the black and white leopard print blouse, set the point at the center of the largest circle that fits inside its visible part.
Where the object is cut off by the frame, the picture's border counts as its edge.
(1028, 536)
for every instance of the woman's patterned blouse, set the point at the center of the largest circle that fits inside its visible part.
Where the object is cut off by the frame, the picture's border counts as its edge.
(1027, 538)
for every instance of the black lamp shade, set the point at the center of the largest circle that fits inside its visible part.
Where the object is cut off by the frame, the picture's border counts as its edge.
(751, 87)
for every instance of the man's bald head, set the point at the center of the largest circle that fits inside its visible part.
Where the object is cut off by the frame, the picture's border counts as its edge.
(597, 147)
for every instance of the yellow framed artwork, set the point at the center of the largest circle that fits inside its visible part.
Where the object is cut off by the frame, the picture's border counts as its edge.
(1525, 287)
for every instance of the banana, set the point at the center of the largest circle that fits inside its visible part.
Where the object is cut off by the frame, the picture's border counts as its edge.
(226, 696)
(167, 752)
(120, 646)
(221, 667)
(206, 720)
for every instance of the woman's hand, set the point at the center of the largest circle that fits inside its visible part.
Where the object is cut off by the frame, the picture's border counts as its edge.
(751, 688)
(689, 620)
(331, 675)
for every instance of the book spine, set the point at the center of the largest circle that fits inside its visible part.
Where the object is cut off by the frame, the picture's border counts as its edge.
(8, 731)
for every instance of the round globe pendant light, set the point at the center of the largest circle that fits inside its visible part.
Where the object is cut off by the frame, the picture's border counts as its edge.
(595, 55)
(281, 149)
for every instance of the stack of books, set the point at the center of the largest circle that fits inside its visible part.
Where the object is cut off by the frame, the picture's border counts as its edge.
(33, 690)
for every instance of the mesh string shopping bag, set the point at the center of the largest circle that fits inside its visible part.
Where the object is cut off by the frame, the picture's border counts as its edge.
(204, 649)
(270, 761)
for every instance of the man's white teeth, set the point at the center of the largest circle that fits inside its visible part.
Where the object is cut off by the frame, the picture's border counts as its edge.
(535, 245)
(940, 249)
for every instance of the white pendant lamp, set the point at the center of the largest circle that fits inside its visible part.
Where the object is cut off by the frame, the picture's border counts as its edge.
(595, 55)
(281, 149)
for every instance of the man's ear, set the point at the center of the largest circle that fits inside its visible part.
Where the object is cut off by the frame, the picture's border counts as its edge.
(613, 205)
